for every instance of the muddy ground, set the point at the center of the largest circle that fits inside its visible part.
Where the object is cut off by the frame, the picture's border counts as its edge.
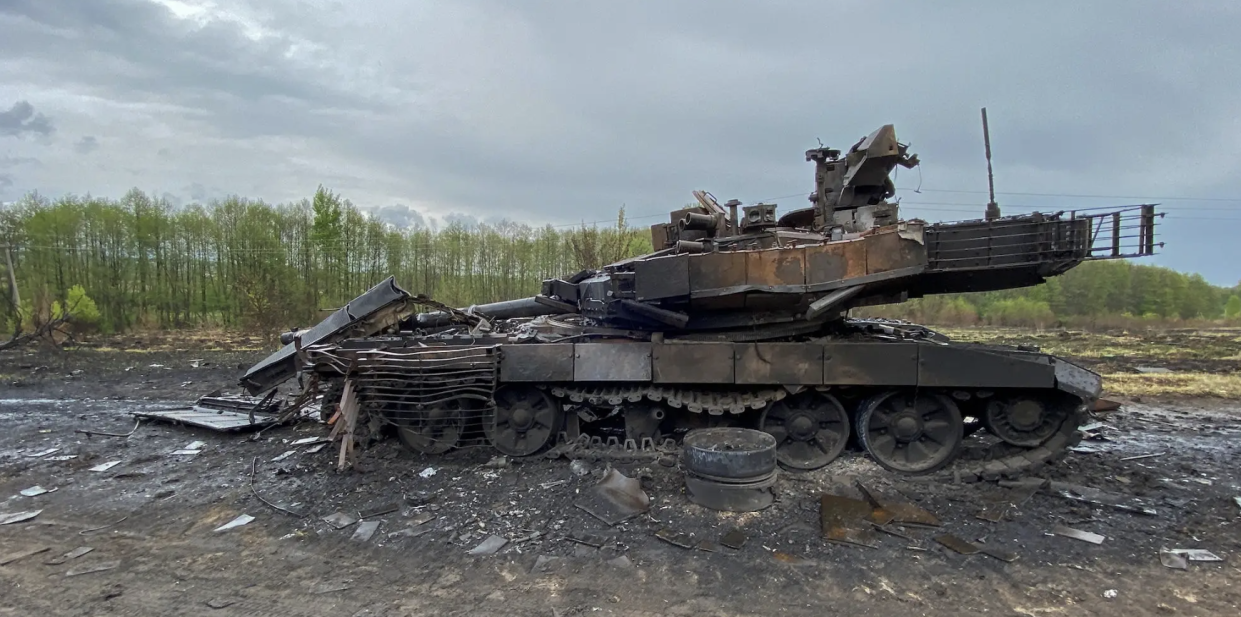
(152, 517)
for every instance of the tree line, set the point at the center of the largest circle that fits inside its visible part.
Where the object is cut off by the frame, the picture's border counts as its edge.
(139, 262)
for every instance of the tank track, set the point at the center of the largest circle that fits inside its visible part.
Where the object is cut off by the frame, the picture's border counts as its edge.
(1006, 461)
(693, 400)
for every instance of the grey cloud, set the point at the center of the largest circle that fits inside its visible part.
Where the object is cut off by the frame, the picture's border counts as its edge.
(86, 144)
(6, 181)
(401, 216)
(21, 119)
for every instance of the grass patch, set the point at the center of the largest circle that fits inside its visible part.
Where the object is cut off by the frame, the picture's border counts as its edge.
(1179, 384)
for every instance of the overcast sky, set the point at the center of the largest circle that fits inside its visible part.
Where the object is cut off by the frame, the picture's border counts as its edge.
(563, 111)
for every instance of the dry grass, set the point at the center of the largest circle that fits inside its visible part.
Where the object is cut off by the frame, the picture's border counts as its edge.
(1177, 384)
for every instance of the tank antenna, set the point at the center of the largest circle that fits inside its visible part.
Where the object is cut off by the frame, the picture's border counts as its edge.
(993, 209)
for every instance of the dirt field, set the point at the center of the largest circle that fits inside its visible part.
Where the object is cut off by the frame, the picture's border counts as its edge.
(152, 515)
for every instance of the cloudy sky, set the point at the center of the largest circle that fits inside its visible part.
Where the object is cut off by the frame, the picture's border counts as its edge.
(561, 112)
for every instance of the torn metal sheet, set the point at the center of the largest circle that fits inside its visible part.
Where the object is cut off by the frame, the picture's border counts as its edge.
(616, 498)
(195, 445)
(888, 510)
(1176, 561)
(313, 449)
(105, 466)
(214, 419)
(893, 532)
(489, 546)
(365, 530)
(586, 538)
(734, 538)
(10, 558)
(339, 520)
(837, 511)
(957, 544)
(1142, 456)
(186, 452)
(421, 518)
(281, 457)
(411, 532)
(676, 538)
(1016, 495)
(1078, 534)
(37, 490)
(17, 517)
(71, 555)
(1097, 497)
(308, 440)
(99, 567)
(43, 453)
(242, 519)
(1196, 554)
(706, 546)
(857, 537)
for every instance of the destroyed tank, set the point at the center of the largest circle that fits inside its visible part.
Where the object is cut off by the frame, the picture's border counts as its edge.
(738, 317)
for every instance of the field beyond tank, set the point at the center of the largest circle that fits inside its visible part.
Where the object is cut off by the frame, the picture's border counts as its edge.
(149, 519)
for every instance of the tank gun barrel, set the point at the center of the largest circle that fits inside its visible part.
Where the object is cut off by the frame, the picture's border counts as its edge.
(507, 309)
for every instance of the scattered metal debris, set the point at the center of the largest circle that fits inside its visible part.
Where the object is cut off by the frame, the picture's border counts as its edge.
(314, 449)
(489, 546)
(1142, 456)
(421, 518)
(854, 536)
(546, 563)
(37, 490)
(105, 466)
(1109, 594)
(1176, 561)
(281, 457)
(99, 567)
(547, 485)
(241, 520)
(89, 433)
(43, 453)
(586, 538)
(427, 473)
(1196, 554)
(734, 538)
(410, 532)
(253, 464)
(365, 530)
(957, 544)
(676, 538)
(339, 520)
(380, 510)
(186, 452)
(1078, 534)
(71, 555)
(580, 467)
(309, 440)
(94, 529)
(8, 559)
(616, 498)
(888, 510)
(221, 413)
(17, 517)
(218, 603)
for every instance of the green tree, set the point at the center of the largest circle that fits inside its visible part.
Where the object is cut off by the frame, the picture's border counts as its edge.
(1232, 309)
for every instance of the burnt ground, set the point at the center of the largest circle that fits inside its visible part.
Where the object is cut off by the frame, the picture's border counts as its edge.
(160, 511)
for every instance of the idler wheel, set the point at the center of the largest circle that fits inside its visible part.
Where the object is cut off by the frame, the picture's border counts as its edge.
(729, 453)
(435, 430)
(811, 429)
(524, 420)
(911, 432)
(1023, 421)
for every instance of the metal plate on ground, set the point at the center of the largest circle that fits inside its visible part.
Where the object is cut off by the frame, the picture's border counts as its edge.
(214, 419)
(958, 545)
